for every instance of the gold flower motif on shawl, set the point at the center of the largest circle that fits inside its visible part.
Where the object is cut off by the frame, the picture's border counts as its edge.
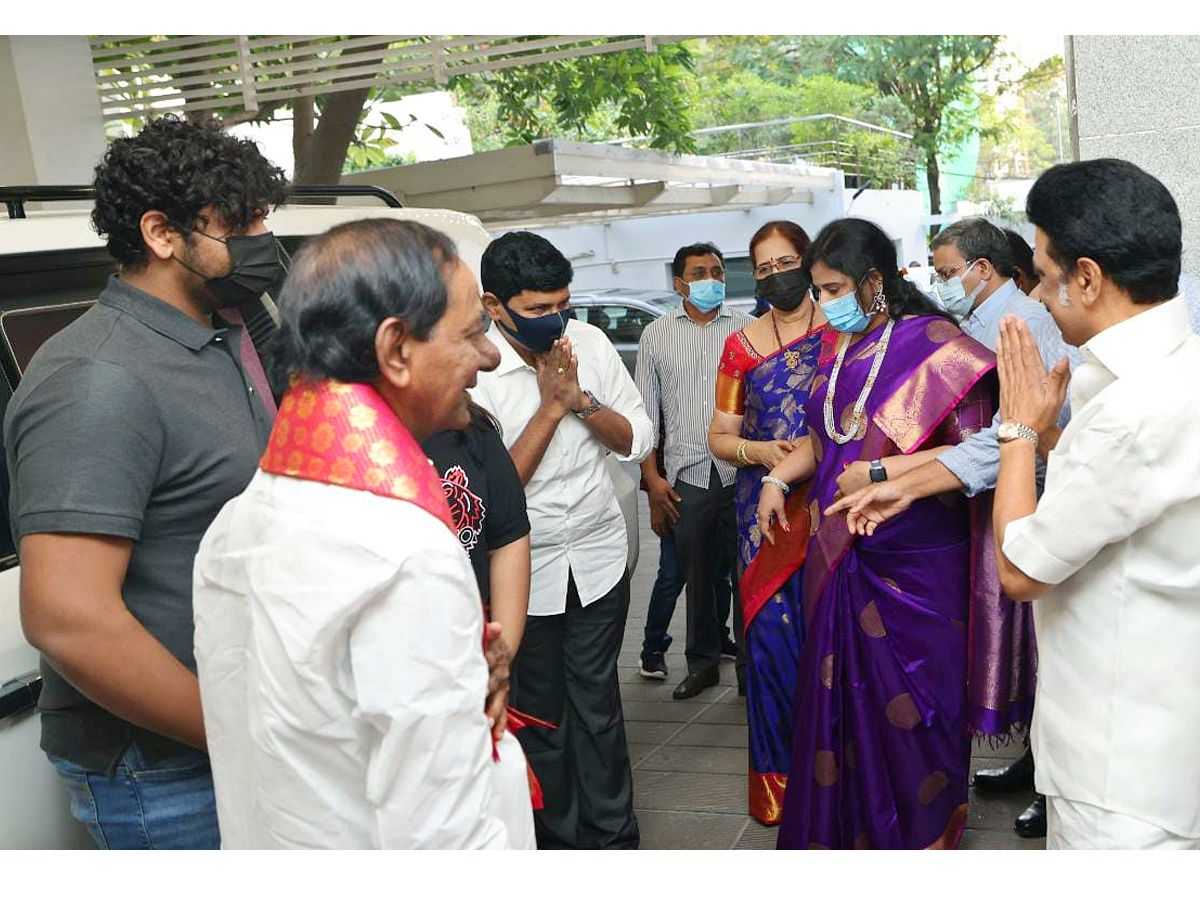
(939, 331)
(315, 467)
(331, 408)
(294, 461)
(282, 430)
(902, 712)
(362, 417)
(932, 786)
(339, 387)
(383, 452)
(342, 471)
(825, 769)
(306, 404)
(300, 436)
(287, 404)
(827, 671)
(404, 487)
(322, 437)
(374, 477)
(352, 442)
(871, 622)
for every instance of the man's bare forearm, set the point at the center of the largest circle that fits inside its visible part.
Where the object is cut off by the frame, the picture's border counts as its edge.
(927, 480)
(123, 668)
(531, 446)
(611, 429)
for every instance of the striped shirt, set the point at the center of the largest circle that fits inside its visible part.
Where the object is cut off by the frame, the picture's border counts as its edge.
(677, 375)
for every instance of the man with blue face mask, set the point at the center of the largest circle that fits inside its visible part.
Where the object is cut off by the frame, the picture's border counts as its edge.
(677, 376)
(564, 401)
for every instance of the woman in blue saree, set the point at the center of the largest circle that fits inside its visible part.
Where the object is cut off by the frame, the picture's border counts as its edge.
(762, 384)
(881, 749)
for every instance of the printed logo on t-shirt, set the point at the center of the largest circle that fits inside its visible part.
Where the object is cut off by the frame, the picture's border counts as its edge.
(466, 508)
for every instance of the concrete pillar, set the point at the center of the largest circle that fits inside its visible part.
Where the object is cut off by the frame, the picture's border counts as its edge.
(51, 128)
(1137, 97)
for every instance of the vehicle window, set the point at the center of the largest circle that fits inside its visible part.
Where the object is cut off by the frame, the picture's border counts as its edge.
(622, 324)
(739, 280)
(580, 313)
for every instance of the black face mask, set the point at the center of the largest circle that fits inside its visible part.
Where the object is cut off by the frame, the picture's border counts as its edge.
(783, 290)
(255, 268)
(537, 333)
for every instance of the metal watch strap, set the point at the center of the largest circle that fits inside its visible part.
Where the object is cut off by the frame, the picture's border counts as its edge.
(1018, 431)
(591, 407)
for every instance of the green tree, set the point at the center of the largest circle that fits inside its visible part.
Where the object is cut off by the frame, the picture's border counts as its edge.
(631, 91)
(933, 76)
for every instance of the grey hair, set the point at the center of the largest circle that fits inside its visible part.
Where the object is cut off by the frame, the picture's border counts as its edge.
(348, 280)
(978, 238)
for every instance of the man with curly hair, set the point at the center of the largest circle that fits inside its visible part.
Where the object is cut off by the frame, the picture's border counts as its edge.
(130, 430)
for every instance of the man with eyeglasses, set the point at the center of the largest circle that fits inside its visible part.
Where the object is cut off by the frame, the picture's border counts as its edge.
(974, 282)
(677, 375)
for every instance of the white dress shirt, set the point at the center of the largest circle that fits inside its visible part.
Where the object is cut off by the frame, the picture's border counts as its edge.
(339, 641)
(575, 522)
(1116, 723)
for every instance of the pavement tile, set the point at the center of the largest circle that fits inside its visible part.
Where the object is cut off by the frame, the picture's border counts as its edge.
(650, 732)
(646, 689)
(655, 711)
(662, 830)
(979, 839)
(757, 837)
(996, 812)
(705, 735)
(724, 714)
(704, 760)
(639, 750)
(688, 791)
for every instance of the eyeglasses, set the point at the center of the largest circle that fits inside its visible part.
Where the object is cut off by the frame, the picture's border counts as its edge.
(945, 275)
(782, 264)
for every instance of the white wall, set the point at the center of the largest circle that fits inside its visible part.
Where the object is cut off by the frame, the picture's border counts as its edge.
(51, 128)
(634, 252)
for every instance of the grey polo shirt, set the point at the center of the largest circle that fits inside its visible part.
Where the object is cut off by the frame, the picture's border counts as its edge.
(138, 422)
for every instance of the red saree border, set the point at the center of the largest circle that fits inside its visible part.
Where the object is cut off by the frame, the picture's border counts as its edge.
(774, 564)
(766, 790)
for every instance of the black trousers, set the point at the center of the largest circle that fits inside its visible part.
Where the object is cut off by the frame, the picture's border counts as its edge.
(705, 538)
(566, 672)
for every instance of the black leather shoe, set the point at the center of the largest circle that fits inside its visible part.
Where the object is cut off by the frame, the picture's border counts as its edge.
(1016, 776)
(695, 683)
(1032, 822)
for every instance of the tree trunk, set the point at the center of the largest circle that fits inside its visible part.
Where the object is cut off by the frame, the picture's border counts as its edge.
(932, 177)
(303, 123)
(327, 147)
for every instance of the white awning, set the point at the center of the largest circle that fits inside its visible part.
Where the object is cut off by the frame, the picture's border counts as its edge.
(564, 181)
(138, 75)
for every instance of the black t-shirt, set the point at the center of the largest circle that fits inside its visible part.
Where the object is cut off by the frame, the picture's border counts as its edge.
(486, 497)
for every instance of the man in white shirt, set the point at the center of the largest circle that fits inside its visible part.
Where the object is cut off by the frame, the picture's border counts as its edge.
(1110, 550)
(339, 630)
(565, 401)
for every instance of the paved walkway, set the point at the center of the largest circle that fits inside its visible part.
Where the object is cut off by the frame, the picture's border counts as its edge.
(690, 760)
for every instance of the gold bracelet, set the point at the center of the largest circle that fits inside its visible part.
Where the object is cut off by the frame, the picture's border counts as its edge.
(741, 454)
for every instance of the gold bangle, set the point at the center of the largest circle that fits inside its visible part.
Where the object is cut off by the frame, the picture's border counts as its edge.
(741, 453)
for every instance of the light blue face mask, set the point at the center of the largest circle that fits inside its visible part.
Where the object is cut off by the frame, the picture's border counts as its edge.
(845, 314)
(954, 297)
(706, 295)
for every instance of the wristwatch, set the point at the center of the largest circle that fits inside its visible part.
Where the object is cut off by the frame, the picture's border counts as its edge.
(878, 472)
(590, 408)
(1011, 431)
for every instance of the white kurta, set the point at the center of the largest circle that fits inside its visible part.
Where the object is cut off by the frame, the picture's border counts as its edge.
(339, 651)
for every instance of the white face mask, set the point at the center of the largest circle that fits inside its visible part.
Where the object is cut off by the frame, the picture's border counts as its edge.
(954, 297)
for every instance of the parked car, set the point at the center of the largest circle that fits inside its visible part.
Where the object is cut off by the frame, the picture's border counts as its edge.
(52, 267)
(623, 313)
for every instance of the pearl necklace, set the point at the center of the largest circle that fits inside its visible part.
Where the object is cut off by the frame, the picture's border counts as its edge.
(856, 418)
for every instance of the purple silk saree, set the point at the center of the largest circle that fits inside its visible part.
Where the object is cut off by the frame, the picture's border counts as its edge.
(881, 750)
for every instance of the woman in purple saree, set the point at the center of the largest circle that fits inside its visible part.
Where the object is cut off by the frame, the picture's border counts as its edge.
(881, 750)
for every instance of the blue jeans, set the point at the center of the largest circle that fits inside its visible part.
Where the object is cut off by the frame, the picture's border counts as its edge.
(169, 806)
(668, 585)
